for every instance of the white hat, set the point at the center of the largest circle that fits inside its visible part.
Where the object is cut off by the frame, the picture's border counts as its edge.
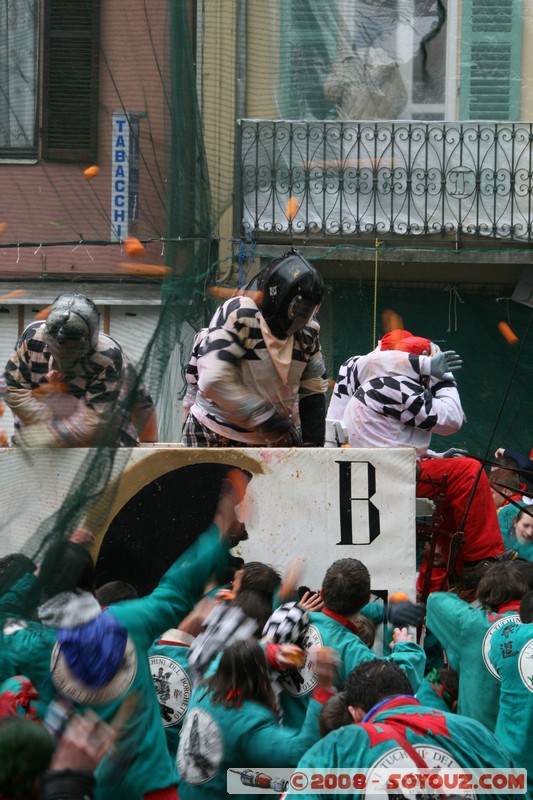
(72, 687)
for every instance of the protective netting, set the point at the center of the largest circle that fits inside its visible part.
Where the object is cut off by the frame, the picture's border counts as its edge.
(158, 116)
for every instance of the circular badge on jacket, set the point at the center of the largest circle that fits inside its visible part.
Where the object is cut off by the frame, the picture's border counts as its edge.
(172, 687)
(201, 747)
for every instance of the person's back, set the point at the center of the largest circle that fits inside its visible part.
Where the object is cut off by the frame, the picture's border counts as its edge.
(345, 590)
(512, 655)
(232, 724)
(399, 401)
(440, 738)
(465, 633)
(392, 729)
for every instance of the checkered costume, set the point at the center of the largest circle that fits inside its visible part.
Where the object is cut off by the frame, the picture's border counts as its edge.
(388, 399)
(83, 414)
(239, 385)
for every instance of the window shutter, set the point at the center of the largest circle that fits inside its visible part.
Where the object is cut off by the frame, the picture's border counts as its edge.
(491, 59)
(308, 47)
(70, 80)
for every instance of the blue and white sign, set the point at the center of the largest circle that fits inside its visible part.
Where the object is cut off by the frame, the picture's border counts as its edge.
(125, 174)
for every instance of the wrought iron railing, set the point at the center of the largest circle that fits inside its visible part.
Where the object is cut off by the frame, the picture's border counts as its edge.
(336, 178)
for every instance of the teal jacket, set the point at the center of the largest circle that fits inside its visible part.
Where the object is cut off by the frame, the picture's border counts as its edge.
(326, 631)
(170, 673)
(465, 633)
(442, 739)
(215, 738)
(140, 762)
(511, 652)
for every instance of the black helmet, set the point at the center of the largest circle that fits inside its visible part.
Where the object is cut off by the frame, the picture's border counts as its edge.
(292, 289)
(71, 329)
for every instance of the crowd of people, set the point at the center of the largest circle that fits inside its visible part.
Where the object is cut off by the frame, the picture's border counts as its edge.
(107, 694)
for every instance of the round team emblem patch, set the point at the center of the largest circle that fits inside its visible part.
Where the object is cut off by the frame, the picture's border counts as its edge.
(172, 687)
(487, 639)
(525, 665)
(301, 681)
(435, 758)
(201, 747)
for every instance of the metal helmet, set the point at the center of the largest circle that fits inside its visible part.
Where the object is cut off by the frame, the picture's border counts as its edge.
(71, 329)
(292, 291)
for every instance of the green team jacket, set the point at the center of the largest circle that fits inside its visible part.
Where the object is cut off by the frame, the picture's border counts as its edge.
(326, 631)
(511, 652)
(215, 738)
(443, 740)
(141, 762)
(465, 633)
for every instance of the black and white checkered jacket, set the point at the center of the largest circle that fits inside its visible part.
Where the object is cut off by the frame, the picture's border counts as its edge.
(239, 387)
(387, 398)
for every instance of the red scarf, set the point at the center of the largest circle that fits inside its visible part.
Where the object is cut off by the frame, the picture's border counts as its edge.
(343, 620)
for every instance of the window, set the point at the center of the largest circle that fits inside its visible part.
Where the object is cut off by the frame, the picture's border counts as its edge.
(491, 59)
(19, 39)
(70, 43)
(364, 60)
(70, 80)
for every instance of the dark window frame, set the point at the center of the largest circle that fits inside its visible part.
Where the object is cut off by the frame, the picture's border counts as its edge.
(70, 123)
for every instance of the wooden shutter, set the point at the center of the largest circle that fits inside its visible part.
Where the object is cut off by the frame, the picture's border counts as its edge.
(491, 60)
(308, 47)
(70, 80)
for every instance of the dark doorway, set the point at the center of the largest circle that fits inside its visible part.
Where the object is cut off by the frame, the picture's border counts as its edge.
(158, 524)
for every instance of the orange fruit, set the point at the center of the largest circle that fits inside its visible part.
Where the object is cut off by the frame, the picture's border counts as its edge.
(133, 247)
(91, 172)
(399, 597)
(297, 658)
(13, 294)
(44, 313)
(150, 270)
(507, 332)
(293, 205)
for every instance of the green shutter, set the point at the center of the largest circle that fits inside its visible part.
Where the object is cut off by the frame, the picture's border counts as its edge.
(70, 80)
(491, 59)
(308, 47)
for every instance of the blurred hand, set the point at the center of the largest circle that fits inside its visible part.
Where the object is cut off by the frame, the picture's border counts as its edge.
(291, 580)
(325, 666)
(401, 635)
(82, 536)
(311, 601)
(231, 495)
(83, 744)
(276, 425)
(452, 452)
(289, 656)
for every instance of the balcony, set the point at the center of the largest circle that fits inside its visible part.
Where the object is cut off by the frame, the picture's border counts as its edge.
(328, 180)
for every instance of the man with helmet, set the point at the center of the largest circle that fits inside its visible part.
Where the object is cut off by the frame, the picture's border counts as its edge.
(69, 385)
(260, 364)
(397, 396)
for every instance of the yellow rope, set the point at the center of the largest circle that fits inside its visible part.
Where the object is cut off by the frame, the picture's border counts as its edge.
(376, 244)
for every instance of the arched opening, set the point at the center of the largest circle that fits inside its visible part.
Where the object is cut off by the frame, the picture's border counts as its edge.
(158, 523)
